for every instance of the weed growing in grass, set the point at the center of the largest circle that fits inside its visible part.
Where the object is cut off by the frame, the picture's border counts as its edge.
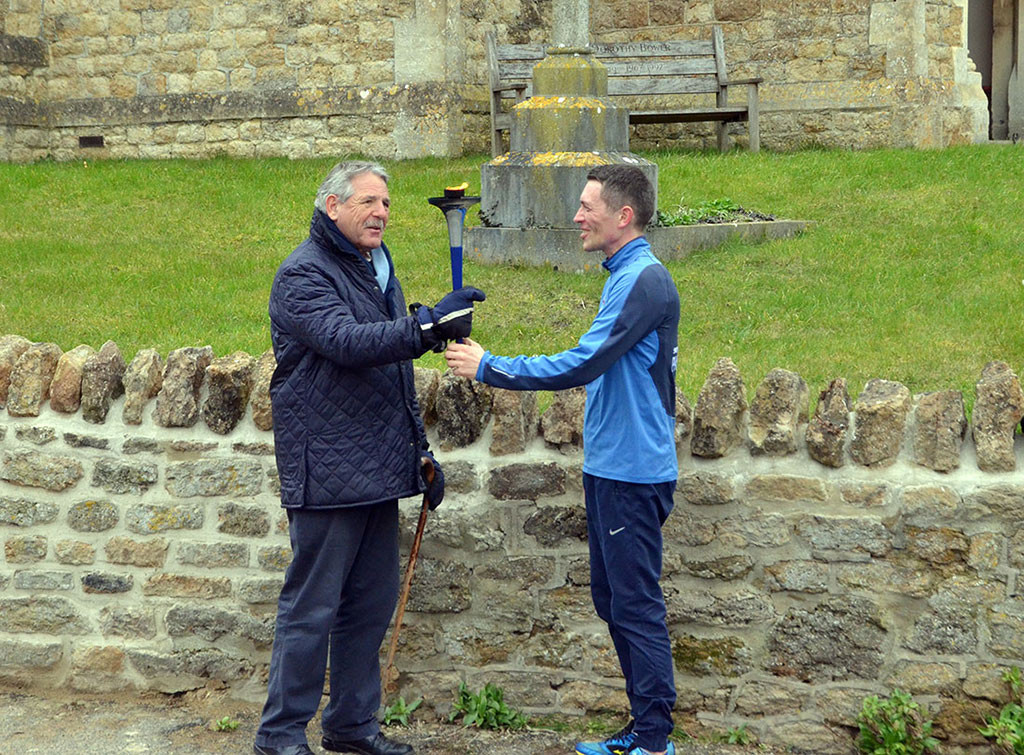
(711, 211)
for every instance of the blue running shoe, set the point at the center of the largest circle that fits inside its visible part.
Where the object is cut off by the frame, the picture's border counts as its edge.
(670, 750)
(619, 743)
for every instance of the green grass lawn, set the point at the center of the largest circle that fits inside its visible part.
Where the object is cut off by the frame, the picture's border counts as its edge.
(913, 270)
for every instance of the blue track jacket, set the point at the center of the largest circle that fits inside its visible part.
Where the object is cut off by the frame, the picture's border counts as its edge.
(627, 360)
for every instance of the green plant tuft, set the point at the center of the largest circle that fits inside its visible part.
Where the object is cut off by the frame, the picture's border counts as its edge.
(1008, 728)
(894, 726)
(227, 723)
(397, 714)
(486, 709)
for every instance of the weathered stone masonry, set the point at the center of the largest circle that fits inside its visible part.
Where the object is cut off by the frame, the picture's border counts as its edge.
(810, 560)
(407, 78)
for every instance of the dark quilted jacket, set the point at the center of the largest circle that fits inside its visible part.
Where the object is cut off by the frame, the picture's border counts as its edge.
(347, 426)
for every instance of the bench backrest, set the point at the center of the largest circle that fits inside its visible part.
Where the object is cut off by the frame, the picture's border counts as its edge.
(634, 68)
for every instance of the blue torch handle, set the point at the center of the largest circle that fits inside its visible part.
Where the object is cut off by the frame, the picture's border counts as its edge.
(456, 267)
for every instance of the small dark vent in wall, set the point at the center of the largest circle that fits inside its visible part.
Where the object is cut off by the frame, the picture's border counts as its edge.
(90, 141)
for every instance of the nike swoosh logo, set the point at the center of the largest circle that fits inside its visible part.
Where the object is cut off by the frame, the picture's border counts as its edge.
(616, 532)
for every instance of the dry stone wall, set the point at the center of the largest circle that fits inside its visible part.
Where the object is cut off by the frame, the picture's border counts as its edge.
(812, 559)
(406, 78)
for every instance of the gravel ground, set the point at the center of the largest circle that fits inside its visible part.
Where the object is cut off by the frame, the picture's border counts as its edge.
(61, 724)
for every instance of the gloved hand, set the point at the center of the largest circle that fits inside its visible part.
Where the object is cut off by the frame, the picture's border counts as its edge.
(452, 317)
(435, 486)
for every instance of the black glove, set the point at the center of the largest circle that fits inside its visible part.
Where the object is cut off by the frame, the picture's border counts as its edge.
(452, 317)
(435, 486)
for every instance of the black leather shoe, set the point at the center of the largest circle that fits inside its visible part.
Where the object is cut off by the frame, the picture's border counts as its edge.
(302, 749)
(378, 744)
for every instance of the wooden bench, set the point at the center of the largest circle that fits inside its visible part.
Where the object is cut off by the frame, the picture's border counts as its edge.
(635, 70)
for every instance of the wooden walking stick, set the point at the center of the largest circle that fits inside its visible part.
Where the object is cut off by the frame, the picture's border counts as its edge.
(389, 676)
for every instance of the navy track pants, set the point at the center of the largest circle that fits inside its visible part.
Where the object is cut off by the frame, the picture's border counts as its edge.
(624, 522)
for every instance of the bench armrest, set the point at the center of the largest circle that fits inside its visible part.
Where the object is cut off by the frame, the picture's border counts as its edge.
(756, 80)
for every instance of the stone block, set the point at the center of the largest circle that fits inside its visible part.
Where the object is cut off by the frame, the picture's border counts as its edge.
(177, 403)
(30, 379)
(845, 534)
(427, 382)
(797, 576)
(705, 489)
(525, 481)
(463, 408)
(274, 557)
(39, 470)
(43, 580)
(102, 382)
(684, 419)
(23, 661)
(460, 476)
(37, 435)
(74, 552)
(1004, 502)
(98, 670)
(244, 521)
(134, 446)
(183, 670)
(864, 495)
(131, 622)
(262, 414)
(753, 528)
(106, 584)
(147, 518)
(515, 421)
(998, 409)
(685, 530)
(75, 440)
(214, 477)
(786, 488)
(253, 449)
(213, 555)
(229, 382)
(25, 549)
(148, 553)
(727, 656)
(880, 419)
(41, 615)
(562, 423)
(143, 379)
(93, 516)
(939, 429)
(66, 387)
(20, 512)
(827, 432)
(941, 546)
(185, 586)
(839, 639)
(722, 568)
(778, 410)
(732, 607)
(11, 349)
(944, 633)
(551, 525)
(258, 590)
(440, 587)
(718, 416)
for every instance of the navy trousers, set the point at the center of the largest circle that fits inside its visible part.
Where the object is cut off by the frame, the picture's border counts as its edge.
(338, 596)
(624, 532)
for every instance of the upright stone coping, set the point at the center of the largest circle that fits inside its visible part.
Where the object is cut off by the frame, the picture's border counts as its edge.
(169, 544)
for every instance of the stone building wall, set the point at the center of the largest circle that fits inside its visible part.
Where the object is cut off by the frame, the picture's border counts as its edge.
(811, 560)
(406, 78)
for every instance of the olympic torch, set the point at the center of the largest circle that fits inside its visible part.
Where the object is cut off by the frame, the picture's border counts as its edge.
(454, 204)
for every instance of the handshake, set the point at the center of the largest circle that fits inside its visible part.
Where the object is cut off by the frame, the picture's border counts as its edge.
(449, 319)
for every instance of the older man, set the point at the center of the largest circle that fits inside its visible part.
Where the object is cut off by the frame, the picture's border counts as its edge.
(349, 442)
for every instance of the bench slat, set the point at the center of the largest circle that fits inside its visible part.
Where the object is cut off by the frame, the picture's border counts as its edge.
(523, 70)
(694, 115)
(688, 85)
(670, 49)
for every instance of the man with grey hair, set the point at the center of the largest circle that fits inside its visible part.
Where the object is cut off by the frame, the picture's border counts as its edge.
(349, 442)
